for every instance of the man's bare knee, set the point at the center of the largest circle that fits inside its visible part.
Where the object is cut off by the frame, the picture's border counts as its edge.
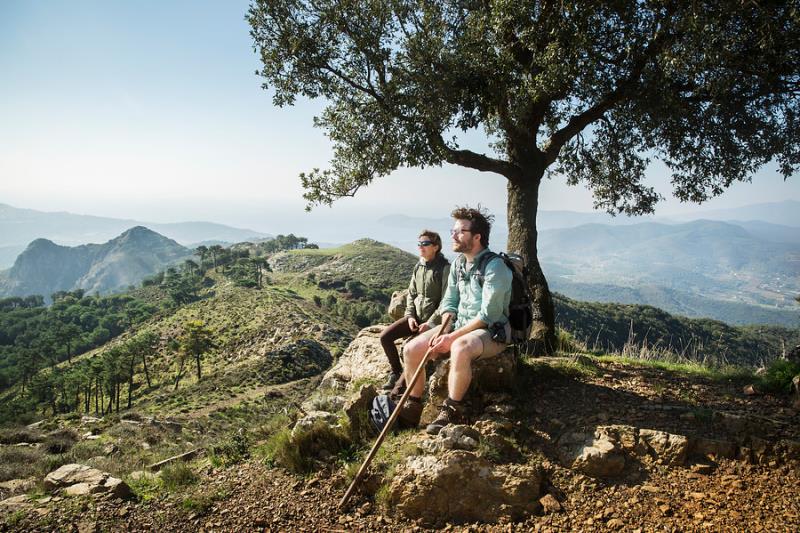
(414, 350)
(465, 350)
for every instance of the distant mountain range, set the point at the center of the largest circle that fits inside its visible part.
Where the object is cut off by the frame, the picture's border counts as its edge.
(18, 227)
(45, 267)
(741, 271)
(701, 268)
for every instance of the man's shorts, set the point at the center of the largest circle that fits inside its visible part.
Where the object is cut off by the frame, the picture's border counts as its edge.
(490, 347)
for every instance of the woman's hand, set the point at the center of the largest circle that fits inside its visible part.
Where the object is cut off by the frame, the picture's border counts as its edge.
(424, 327)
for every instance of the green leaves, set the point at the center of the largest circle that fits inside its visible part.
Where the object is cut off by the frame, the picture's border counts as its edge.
(592, 91)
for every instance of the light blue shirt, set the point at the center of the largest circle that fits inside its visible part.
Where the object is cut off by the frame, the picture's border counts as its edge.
(466, 299)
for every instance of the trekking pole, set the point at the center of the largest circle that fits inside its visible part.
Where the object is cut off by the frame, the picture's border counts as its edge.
(393, 417)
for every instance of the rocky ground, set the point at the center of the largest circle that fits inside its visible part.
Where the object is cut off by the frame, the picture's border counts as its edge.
(742, 478)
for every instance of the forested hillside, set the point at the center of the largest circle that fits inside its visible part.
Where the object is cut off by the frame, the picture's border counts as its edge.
(227, 306)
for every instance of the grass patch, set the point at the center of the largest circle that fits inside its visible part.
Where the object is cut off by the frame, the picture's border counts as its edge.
(300, 452)
(231, 451)
(176, 476)
(566, 343)
(393, 452)
(19, 462)
(14, 519)
(543, 370)
(200, 503)
(728, 373)
(145, 487)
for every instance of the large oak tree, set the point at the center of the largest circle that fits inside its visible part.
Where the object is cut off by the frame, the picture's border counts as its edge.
(586, 91)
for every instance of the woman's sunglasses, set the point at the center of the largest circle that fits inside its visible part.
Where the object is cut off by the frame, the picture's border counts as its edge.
(424, 244)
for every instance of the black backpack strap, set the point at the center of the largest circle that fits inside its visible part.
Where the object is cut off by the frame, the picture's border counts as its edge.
(481, 270)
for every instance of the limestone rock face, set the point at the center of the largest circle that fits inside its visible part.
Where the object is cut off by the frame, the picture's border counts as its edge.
(312, 418)
(495, 374)
(453, 437)
(597, 454)
(357, 407)
(668, 449)
(77, 479)
(459, 487)
(362, 360)
(397, 306)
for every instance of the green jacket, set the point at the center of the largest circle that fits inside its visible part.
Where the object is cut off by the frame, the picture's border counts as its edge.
(426, 289)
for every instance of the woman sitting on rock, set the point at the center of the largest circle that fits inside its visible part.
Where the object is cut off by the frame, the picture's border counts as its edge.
(425, 291)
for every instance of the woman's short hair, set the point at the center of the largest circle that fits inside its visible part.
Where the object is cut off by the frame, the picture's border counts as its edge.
(432, 236)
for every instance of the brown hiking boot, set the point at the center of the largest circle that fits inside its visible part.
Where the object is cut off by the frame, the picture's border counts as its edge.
(452, 412)
(410, 414)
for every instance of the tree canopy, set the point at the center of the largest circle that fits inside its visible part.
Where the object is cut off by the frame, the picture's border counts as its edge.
(587, 91)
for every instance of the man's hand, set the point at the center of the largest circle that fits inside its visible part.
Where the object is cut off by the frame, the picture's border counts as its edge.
(412, 324)
(441, 344)
(424, 327)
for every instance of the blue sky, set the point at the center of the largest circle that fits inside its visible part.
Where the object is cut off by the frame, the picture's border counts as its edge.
(151, 110)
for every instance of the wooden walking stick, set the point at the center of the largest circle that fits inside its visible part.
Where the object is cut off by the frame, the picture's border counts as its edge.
(393, 417)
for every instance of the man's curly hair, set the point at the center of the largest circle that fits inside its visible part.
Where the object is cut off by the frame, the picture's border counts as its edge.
(479, 218)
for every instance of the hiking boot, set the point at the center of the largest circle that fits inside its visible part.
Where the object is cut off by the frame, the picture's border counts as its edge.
(391, 380)
(410, 414)
(452, 412)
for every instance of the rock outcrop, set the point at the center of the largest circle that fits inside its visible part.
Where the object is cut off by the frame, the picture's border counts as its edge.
(76, 479)
(459, 486)
(363, 360)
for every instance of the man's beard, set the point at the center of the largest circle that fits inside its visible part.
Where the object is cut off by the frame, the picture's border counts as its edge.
(461, 247)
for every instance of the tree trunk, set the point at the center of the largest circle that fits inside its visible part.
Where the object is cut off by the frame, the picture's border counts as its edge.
(146, 372)
(180, 373)
(197, 360)
(130, 379)
(523, 203)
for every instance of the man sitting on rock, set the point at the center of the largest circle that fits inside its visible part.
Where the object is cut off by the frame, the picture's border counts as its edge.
(481, 328)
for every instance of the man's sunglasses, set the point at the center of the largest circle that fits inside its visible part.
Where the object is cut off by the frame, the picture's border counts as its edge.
(424, 244)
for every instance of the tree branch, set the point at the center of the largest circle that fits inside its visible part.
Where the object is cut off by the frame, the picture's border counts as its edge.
(589, 115)
(470, 159)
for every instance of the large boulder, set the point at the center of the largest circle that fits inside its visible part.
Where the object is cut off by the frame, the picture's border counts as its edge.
(666, 448)
(77, 479)
(495, 374)
(357, 408)
(459, 486)
(363, 360)
(597, 454)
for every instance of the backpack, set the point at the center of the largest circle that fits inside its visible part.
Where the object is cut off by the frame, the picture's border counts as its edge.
(380, 411)
(520, 314)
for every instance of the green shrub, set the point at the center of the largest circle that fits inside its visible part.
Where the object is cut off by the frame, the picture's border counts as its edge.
(17, 435)
(778, 377)
(566, 343)
(60, 441)
(144, 487)
(299, 453)
(177, 475)
(231, 451)
(201, 502)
